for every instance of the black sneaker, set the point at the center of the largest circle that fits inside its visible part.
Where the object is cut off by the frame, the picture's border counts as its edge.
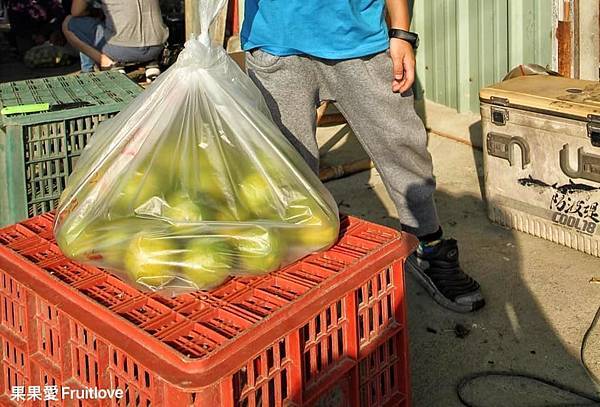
(437, 269)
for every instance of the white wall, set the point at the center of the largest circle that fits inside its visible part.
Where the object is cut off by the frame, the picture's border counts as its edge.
(588, 61)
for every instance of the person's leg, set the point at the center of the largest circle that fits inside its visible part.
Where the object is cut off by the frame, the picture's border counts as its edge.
(126, 55)
(289, 87)
(86, 34)
(87, 63)
(393, 135)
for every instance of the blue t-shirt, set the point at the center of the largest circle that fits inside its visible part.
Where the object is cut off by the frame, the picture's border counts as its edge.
(329, 29)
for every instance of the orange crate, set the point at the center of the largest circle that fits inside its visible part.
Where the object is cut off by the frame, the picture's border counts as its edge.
(328, 330)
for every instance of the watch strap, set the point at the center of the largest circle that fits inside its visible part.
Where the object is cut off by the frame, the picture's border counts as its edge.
(411, 37)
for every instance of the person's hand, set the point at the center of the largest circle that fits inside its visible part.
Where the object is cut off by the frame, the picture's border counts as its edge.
(105, 61)
(403, 59)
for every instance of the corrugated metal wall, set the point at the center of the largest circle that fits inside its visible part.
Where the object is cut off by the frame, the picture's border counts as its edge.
(468, 44)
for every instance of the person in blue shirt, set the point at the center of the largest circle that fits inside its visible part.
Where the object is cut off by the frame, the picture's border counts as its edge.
(302, 52)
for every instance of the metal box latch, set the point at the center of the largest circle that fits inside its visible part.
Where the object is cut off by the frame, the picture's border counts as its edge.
(499, 115)
(593, 129)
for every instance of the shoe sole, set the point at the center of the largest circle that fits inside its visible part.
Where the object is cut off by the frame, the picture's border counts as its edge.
(152, 73)
(437, 296)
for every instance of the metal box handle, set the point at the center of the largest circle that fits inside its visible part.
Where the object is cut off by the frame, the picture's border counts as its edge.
(502, 146)
(588, 165)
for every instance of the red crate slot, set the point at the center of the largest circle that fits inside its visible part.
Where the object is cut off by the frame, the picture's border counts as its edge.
(48, 331)
(137, 382)
(15, 364)
(323, 341)
(40, 251)
(47, 379)
(14, 235)
(329, 327)
(382, 377)
(39, 225)
(70, 272)
(376, 306)
(13, 305)
(379, 377)
(265, 379)
(85, 355)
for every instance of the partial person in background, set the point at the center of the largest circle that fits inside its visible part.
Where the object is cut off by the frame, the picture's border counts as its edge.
(132, 31)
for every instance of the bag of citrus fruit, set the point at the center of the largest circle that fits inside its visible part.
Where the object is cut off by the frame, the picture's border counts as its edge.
(193, 183)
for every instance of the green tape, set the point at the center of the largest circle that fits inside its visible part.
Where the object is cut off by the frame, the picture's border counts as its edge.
(21, 109)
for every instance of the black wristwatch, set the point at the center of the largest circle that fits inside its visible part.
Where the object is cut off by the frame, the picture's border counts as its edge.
(410, 37)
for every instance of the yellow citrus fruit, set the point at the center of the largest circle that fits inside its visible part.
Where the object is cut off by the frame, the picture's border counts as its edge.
(180, 208)
(207, 261)
(314, 230)
(136, 190)
(151, 260)
(259, 250)
(255, 193)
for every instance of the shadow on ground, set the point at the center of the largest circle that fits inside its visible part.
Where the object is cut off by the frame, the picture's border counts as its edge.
(476, 139)
(512, 333)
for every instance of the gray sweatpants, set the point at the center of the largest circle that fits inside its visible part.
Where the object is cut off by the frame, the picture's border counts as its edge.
(384, 122)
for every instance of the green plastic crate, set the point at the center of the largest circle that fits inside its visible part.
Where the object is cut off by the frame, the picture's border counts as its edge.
(39, 150)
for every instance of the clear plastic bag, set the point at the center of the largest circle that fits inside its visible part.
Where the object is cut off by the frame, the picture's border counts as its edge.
(193, 182)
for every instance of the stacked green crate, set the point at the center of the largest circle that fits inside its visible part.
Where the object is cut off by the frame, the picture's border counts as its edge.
(39, 149)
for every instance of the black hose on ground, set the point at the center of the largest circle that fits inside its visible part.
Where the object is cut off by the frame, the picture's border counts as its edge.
(595, 401)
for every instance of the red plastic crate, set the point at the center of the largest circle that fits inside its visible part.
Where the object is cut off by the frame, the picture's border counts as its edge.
(329, 330)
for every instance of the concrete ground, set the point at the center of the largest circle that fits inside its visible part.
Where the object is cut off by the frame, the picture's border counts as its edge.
(539, 297)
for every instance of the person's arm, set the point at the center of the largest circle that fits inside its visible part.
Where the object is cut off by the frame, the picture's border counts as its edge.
(401, 51)
(79, 8)
(101, 59)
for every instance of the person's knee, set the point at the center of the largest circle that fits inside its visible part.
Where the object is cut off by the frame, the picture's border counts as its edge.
(65, 25)
(81, 27)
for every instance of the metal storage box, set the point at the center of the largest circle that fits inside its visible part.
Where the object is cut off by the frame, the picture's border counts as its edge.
(542, 158)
